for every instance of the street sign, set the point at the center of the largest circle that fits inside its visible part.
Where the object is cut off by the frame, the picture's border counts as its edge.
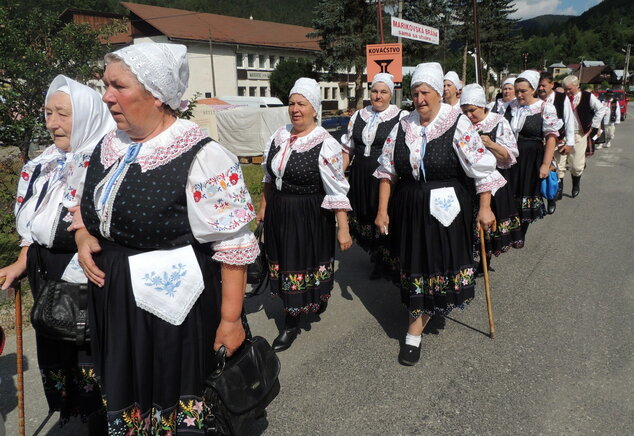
(384, 58)
(415, 31)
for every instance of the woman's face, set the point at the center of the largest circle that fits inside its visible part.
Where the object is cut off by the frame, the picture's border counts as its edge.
(380, 96)
(450, 91)
(508, 92)
(524, 93)
(59, 119)
(426, 101)
(130, 104)
(301, 113)
(474, 113)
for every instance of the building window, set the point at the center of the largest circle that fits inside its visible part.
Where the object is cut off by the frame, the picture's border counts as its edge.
(271, 62)
(262, 61)
(251, 61)
(207, 94)
(262, 91)
(253, 91)
(326, 93)
(334, 92)
(351, 92)
(242, 91)
(239, 60)
(282, 58)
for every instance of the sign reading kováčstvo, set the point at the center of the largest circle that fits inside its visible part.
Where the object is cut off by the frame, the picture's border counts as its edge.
(415, 31)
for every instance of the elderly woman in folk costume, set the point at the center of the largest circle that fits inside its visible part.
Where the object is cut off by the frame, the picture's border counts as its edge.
(165, 248)
(452, 86)
(431, 162)
(367, 131)
(497, 136)
(536, 128)
(502, 105)
(49, 186)
(304, 191)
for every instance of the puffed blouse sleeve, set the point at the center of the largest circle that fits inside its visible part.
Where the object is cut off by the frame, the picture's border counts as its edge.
(219, 206)
(386, 168)
(332, 176)
(504, 136)
(477, 162)
(552, 123)
(347, 142)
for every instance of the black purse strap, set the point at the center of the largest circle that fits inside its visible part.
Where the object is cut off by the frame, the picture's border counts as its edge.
(40, 262)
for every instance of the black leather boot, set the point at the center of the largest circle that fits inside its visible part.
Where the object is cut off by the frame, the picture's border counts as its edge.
(287, 335)
(576, 180)
(560, 190)
(552, 206)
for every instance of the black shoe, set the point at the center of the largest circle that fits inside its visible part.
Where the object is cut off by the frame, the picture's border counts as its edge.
(560, 190)
(285, 339)
(409, 355)
(552, 206)
(576, 181)
(322, 308)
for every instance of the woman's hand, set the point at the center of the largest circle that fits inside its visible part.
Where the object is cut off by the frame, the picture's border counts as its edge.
(87, 245)
(486, 219)
(544, 169)
(486, 140)
(344, 238)
(78, 222)
(260, 216)
(382, 222)
(14, 271)
(230, 334)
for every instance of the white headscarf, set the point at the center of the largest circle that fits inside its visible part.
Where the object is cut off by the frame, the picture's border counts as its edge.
(161, 68)
(452, 76)
(65, 171)
(386, 78)
(473, 94)
(309, 88)
(429, 73)
(532, 77)
(509, 81)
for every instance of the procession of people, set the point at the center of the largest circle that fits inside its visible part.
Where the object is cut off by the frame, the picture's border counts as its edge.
(127, 188)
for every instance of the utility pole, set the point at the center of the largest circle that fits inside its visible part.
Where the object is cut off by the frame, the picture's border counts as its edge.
(399, 91)
(627, 66)
(380, 18)
(476, 34)
(211, 59)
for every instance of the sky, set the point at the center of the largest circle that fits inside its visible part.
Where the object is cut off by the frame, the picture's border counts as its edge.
(532, 8)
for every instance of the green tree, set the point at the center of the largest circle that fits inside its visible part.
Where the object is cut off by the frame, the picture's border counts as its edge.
(286, 73)
(344, 28)
(34, 48)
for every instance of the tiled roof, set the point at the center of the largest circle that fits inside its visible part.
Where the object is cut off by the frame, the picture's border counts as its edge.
(181, 24)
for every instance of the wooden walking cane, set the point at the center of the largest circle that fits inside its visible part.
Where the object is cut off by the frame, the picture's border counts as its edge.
(19, 352)
(487, 285)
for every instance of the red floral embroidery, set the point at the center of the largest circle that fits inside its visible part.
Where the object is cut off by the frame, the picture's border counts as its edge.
(480, 150)
(73, 192)
(20, 199)
(233, 178)
(25, 175)
(86, 163)
(197, 196)
(467, 138)
(250, 206)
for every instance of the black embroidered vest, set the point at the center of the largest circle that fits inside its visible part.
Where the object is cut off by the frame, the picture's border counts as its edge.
(585, 112)
(382, 132)
(301, 175)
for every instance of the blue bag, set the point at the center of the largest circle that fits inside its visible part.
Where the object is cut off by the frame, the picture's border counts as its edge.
(550, 185)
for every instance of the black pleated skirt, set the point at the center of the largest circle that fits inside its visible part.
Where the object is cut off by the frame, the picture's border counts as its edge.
(300, 249)
(68, 376)
(526, 182)
(152, 372)
(436, 266)
(364, 199)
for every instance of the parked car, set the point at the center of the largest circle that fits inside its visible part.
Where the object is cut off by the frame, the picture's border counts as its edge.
(619, 95)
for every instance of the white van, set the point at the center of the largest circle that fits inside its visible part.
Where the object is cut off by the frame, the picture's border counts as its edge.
(253, 101)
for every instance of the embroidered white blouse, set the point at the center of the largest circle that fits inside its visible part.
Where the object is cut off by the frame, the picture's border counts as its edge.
(330, 163)
(372, 119)
(503, 136)
(219, 206)
(477, 162)
(551, 123)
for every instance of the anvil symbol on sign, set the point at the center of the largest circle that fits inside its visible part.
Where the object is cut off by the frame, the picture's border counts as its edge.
(383, 64)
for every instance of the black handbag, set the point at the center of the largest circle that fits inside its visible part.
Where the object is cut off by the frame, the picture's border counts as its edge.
(241, 387)
(60, 310)
(258, 271)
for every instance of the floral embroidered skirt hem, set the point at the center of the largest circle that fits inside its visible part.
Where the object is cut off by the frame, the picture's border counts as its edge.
(524, 178)
(508, 233)
(435, 262)
(152, 372)
(67, 372)
(299, 239)
(364, 199)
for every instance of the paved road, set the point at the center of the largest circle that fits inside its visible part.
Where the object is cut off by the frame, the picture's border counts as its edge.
(562, 362)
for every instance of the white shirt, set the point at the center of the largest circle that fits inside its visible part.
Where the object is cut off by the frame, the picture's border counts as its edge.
(503, 136)
(608, 112)
(568, 120)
